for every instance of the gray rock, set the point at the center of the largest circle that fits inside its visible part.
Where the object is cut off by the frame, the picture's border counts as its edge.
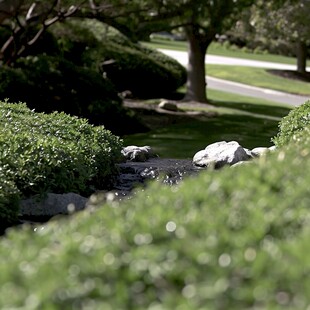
(220, 154)
(259, 151)
(241, 163)
(170, 171)
(168, 105)
(53, 204)
(249, 153)
(272, 148)
(141, 167)
(138, 154)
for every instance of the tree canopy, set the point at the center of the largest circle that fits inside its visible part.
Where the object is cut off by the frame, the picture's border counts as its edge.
(201, 20)
(291, 22)
(282, 26)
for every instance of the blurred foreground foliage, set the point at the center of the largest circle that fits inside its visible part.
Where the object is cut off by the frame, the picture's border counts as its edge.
(237, 238)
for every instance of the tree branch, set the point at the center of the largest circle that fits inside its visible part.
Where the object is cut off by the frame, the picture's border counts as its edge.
(30, 11)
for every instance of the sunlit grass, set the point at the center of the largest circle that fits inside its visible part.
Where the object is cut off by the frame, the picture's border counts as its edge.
(236, 103)
(253, 76)
(184, 140)
(250, 121)
(258, 77)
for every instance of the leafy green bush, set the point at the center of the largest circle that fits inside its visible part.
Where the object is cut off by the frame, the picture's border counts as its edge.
(295, 121)
(54, 152)
(65, 86)
(146, 73)
(9, 198)
(231, 239)
(130, 66)
(73, 40)
(144, 76)
(72, 81)
(50, 84)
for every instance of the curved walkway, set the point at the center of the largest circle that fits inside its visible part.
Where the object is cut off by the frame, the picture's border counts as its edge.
(243, 89)
(258, 92)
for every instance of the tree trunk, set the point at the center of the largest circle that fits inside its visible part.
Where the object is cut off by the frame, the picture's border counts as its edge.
(196, 73)
(301, 53)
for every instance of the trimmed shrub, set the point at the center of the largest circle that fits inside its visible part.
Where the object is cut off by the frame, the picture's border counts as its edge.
(9, 198)
(130, 66)
(54, 152)
(49, 84)
(66, 87)
(144, 76)
(295, 121)
(73, 82)
(146, 73)
(73, 40)
(231, 239)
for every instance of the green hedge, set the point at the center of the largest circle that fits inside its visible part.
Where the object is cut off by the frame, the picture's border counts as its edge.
(53, 153)
(231, 239)
(294, 122)
(9, 198)
(143, 71)
(48, 84)
(144, 75)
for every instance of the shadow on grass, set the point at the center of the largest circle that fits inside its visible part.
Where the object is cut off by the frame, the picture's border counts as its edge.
(270, 110)
(240, 103)
(250, 121)
(185, 139)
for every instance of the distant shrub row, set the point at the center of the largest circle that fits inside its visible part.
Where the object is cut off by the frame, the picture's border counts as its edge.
(236, 38)
(231, 239)
(51, 153)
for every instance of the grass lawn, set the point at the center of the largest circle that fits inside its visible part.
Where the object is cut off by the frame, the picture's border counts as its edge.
(250, 121)
(248, 75)
(237, 104)
(258, 77)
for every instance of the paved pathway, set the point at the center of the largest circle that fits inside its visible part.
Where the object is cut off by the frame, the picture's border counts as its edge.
(251, 91)
(239, 88)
